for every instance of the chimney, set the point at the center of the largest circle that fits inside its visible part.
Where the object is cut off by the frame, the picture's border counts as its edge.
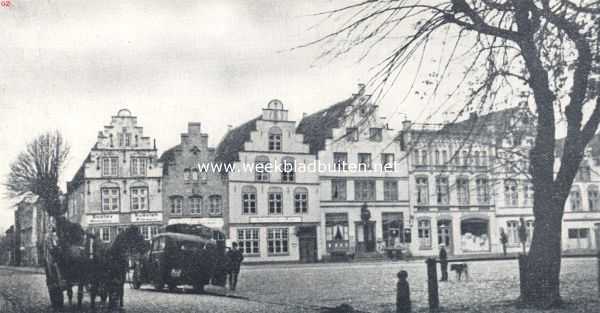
(194, 128)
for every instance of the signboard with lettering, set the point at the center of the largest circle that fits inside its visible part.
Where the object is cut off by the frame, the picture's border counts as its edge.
(102, 219)
(215, 223)
(278, 219)
(145, 217)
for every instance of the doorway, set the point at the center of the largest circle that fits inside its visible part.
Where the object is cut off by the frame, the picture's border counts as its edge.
(365, 236)
(307, 243)
(445, 234)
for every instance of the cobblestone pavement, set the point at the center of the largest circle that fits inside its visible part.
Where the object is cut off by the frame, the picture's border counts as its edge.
(368, 287)
(25, 292)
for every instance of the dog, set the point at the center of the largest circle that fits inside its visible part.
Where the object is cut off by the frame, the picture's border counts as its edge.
(460, 269)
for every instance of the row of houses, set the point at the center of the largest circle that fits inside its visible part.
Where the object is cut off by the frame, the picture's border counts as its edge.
(338, 182)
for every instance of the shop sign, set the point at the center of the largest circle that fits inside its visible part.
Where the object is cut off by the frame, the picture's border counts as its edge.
(144, 217)
(102, 219)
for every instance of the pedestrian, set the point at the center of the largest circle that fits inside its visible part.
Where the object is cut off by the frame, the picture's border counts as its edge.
(444, 263)
(235, 257)
(402, 293)
(523, 235)
(503, 240)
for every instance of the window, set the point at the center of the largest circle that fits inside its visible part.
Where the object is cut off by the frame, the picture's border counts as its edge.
(393, 229)
(352, 134)
(387, 161)
(203, 177)
(176, 204)
(364, 190)
(196, 204)
(462, 191)
(465, 157)
(275, 139)
(444, 157)
(277, 241)
(422, 190)
(301, 200)
(262, 167)
(110, 166)
(186, 175)
(104, 234)
(375, 134)
(139, 198)
(416, 157)
(215, 207)
(578, 233)
(593, 198)
(511, 194)
(575, 199)
(442, 190)
(138, 166)
(338, 189)
(249, 200)
(248, 240)
(110, 199)
(340, 161)
(390, 190)
(484, 158)
(527, 194)
(423, 157)
(364, 161)
(424, 230)
(512, 231)
(336, 231)
(476, 157)
(288, 170)
(529, 225)
(127, 139)
(437, 157)
(483, 193)
(275, 201)
(195, 174)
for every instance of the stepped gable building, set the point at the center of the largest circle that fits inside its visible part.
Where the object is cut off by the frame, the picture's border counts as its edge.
(193, 193)
(273, 205)
(119, 183)
(461, 174)
(364, 191)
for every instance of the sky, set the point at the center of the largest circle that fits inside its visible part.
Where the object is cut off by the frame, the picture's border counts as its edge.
(70, 65)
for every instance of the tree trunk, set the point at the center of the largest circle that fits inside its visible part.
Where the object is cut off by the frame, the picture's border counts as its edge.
(542, 272)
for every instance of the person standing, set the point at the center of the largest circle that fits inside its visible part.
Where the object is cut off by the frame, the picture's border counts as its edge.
(503, 240)
(235, 257)
(402, 293)
(444, 263)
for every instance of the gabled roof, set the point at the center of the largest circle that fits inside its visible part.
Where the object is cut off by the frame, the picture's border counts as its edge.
(228, 149)
(318, 127)
(79, 175)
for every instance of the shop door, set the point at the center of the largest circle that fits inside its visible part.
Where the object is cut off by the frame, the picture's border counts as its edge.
(307, 244)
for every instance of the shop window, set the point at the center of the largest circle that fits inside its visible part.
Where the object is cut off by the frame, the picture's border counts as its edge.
(338, 189)
(277, 241)
(248, 241)
(336, 232)
(474, 235)
(393, 229)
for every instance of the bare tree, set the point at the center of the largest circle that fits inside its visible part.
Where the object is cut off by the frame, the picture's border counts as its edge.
(549, 49)
(37, 170)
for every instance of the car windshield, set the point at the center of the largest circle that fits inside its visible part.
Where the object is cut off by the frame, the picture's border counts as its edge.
(190, 246)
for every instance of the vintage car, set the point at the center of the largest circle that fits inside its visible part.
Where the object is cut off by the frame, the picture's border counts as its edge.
(177, 259)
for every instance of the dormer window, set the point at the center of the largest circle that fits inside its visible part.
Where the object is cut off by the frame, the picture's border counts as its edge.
(275, 139)
(352, 134)
(375, 134)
